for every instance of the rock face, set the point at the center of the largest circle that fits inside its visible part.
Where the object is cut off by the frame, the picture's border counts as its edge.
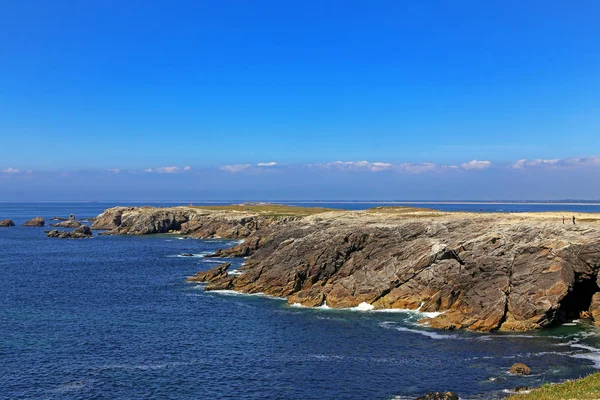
(212, 275)
(67, 224)
(482, 272)
(519, 369)
(81, 232)
(595, 309)
(190, 221)
(37, 221)
(4, 223)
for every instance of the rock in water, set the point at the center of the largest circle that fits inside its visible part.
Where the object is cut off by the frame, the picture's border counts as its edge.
(67, 224)
(81, 232)
(5, 223)
(37, 221)
(212, 275)
(519, 369)
(439, 396)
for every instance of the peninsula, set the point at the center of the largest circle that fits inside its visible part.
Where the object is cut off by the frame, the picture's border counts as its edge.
(478, 271)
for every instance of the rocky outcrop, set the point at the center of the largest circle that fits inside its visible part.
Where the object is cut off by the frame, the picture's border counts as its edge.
(481, 272)
(439, 396)
(594, 310)
(212, 275)
(192, 221)
(5, 223)
(67, 224)
(81, 232)
(519, 369)
(37, 221)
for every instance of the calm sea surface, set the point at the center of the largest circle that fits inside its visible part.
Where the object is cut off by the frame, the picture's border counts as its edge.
(113, 318)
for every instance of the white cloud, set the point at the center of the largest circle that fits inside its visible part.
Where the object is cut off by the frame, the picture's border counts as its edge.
(10, 171)
(167, 170)
(187, 168)
(356, 166)
(148, 170)
(575, 162)
(474, 164)
(235, 168)
(267, 164)
(114, 170)
(410, 168)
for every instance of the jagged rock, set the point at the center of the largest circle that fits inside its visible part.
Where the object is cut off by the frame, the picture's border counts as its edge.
(439, 396)
(212, 275)
(72, 217)
(482, 272)
(81, 232)
(110, 219)
(595, 309)
(5, 223)
(67, 224)
(37, 221)
(519, 369)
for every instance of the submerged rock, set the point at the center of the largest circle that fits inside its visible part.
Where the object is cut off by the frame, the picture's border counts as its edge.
(81, 232)
(37, 221)
(439, 396)
(67, 224)
(519, 369)
(212, 275)
(5, 223)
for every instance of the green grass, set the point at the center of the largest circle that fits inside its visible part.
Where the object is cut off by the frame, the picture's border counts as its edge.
(581, 389)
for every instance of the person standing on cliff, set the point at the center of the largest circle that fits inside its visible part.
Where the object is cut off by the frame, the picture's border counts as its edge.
(563, 219)
(573, 220)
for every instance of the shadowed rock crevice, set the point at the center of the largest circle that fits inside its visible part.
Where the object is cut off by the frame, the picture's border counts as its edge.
(576, 303)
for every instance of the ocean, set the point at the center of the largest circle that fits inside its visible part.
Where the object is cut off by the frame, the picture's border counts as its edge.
(113, 318)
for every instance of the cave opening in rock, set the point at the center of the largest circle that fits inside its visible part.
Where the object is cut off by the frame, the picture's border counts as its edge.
(578, 300)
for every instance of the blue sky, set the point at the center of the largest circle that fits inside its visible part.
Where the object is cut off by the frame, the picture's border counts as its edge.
(337, 99)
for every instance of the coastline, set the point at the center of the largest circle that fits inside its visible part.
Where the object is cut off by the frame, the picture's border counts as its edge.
(476, 271)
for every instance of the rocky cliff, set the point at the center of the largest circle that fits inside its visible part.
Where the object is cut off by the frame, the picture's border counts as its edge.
(481, 271)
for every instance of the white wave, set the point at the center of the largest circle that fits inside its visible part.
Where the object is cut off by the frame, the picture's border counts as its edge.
(362, 307)
(194, 255)
(408, 311)
(324, 306)
(235, 272)
(432, 335)
(236, 293)
(213, 260)
(297, 305)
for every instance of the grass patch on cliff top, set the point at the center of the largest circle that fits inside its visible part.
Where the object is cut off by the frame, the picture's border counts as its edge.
(581, 389)
(274, 210)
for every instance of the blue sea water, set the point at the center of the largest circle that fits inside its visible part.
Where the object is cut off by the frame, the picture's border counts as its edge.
(113, 318)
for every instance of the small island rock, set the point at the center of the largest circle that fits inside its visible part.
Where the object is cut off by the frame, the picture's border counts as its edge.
(81, 232)
(37, 221)
(67, 224)
(5, 223)
(519, 369)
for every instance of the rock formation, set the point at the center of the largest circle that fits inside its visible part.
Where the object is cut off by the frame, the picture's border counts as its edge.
(482, 272)
(218, 272)
(37, 221)
(67, 224)
(439, 396)
(4, 223)
(81, 232)
(519, 369)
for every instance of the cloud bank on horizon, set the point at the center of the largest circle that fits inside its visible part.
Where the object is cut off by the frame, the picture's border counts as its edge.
(359, 166)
